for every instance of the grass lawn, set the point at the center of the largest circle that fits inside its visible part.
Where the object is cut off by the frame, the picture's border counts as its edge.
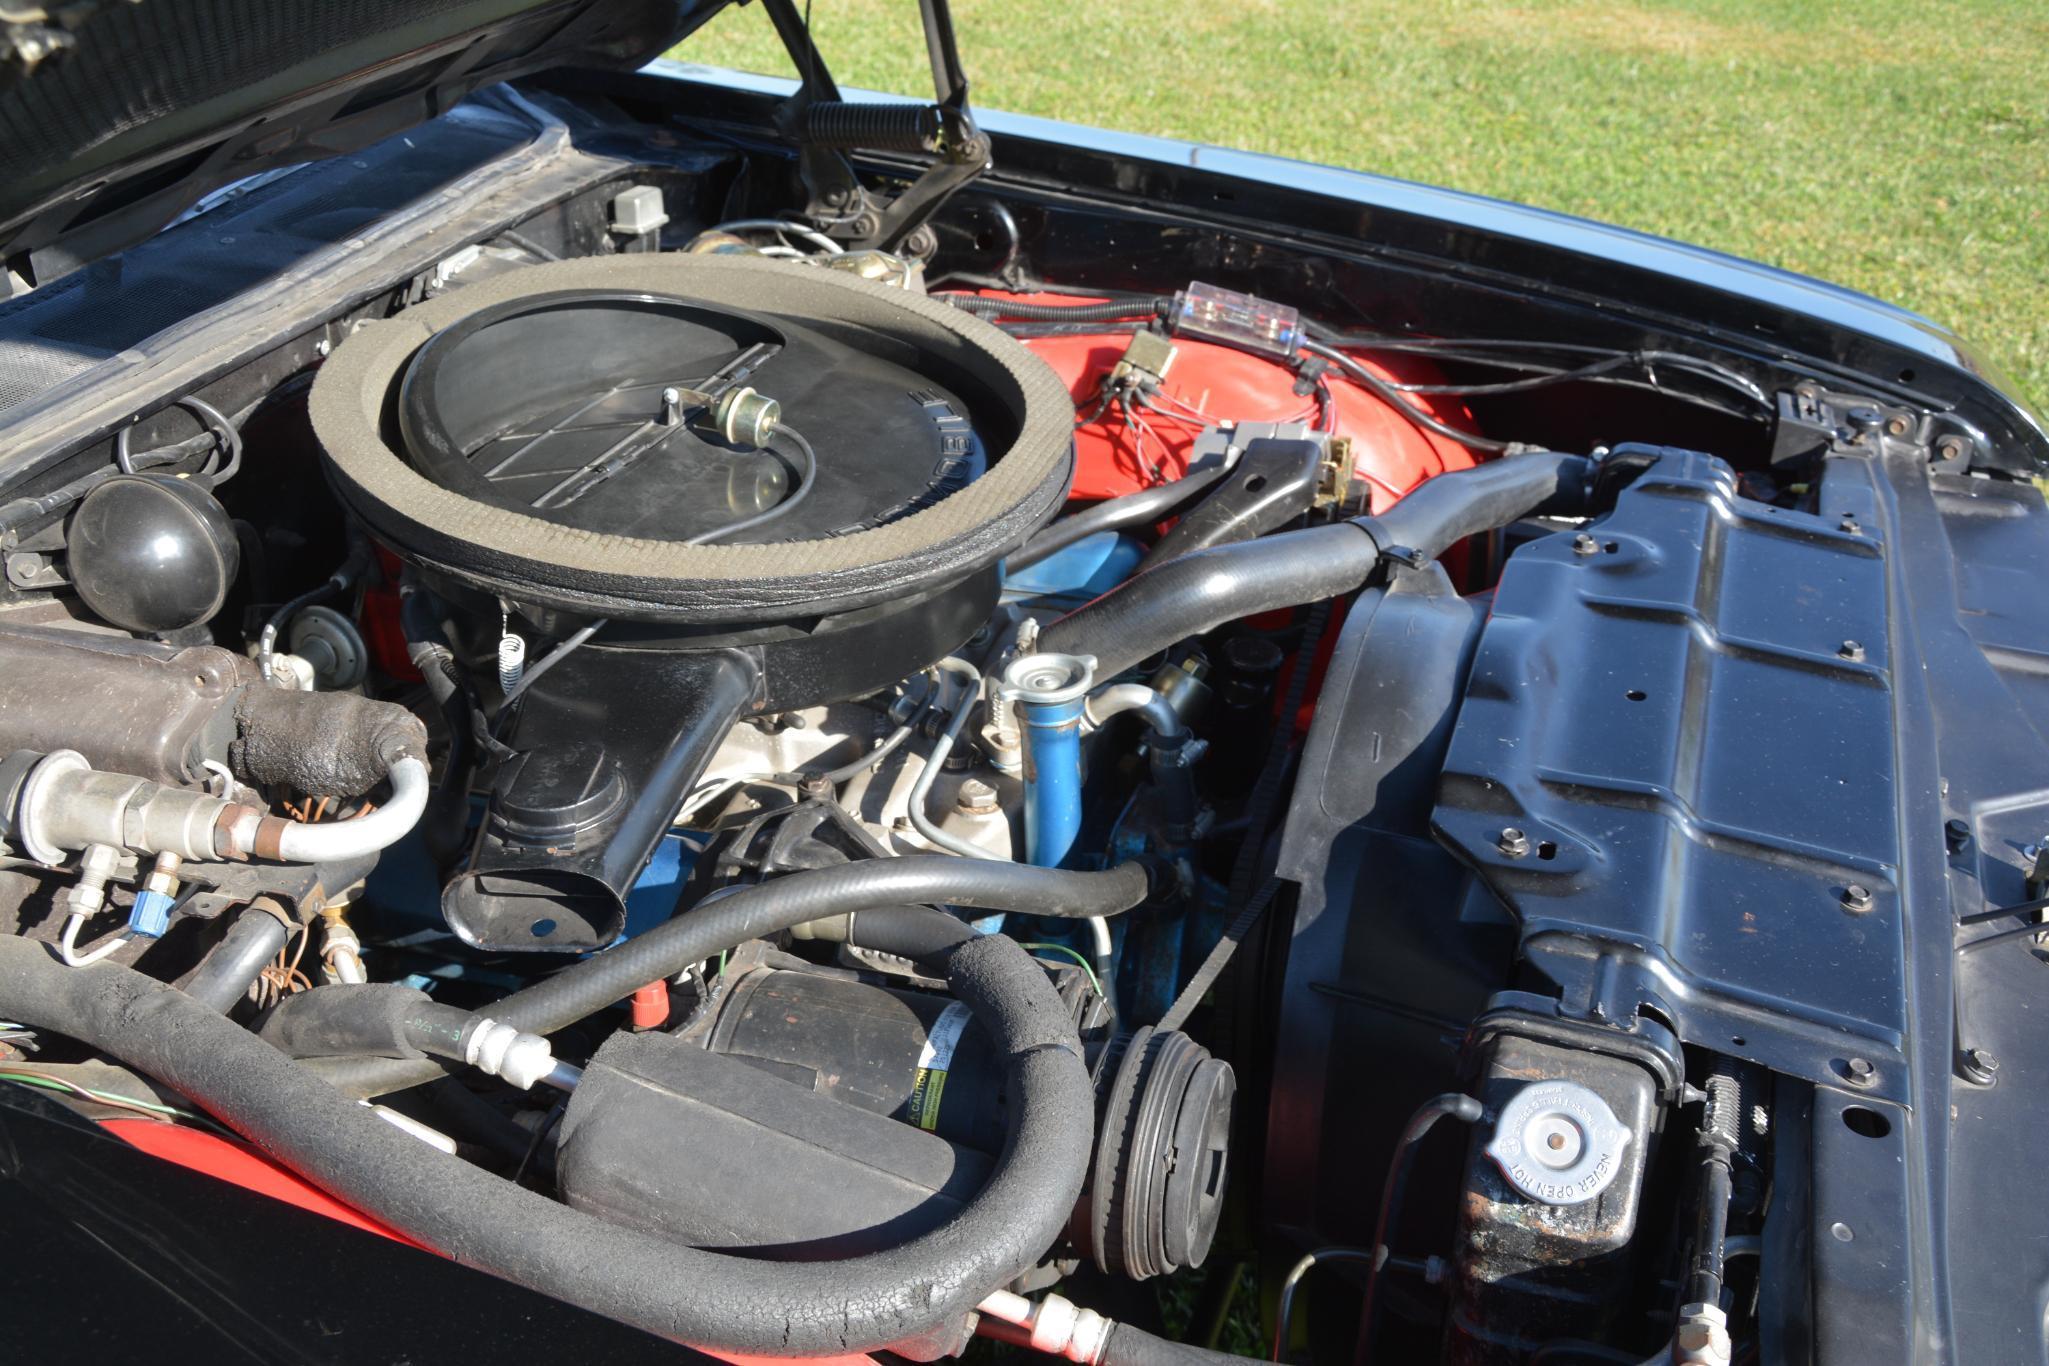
(1900, 147)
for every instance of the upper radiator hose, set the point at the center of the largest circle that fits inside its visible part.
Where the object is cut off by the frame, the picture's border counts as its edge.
(1202, 590)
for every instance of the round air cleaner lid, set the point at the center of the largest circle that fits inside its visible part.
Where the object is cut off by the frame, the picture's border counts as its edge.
(654, 416)
(589, 436)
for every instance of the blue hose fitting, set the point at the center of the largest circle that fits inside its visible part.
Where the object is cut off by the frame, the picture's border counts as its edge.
(151, 914)
(1049, 690)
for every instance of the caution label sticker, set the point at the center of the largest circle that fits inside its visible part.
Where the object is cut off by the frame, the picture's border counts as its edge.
(935, 1059)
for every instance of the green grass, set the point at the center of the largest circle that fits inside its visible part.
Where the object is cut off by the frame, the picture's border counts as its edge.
(1900, 147)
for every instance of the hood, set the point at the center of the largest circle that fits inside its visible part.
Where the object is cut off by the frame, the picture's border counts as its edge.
(116, 115)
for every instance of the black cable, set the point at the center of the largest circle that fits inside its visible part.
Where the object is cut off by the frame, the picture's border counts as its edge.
(352, 568)
(834, 777)
(1988, 940)
(1459, 348)
(541, 1132)
(1382, 390)
(550, 660)
(1453, 1104)
(1285, 1313)
(226, 445)
(1516, 386)
(806, 480)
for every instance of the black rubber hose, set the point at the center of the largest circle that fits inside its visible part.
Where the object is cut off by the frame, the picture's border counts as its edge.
(924, 936)
(251, 941)
(1439, 513)
(1206, 588)
(385, 1020)
(1114, 514)
(1451, 1104)
(918, 1290)
(1114, 310)
(363, 1019)
(447, 818)
(580, 991)
(1129, 1346)
(1203, 590)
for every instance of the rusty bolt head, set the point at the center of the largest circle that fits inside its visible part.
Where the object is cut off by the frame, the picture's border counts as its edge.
(1513, 842)
(1852, 650)
(1857, 897)
(1897, 425)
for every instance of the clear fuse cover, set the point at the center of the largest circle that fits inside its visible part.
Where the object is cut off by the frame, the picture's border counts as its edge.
(1245, 321)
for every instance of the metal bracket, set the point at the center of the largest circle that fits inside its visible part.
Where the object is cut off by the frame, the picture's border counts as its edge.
(825, 126)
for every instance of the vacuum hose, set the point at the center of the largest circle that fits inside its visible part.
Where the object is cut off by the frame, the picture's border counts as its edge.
(1204, 589)
(920, 1291)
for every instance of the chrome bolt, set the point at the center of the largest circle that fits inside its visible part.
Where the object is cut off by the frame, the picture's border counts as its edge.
(1860, 1072)
(1584, 544)
(1852, 650)
(1858, 898)
(976, 798)
(1513, 843)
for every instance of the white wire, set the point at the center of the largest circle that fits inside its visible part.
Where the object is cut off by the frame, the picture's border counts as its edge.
(811, 235)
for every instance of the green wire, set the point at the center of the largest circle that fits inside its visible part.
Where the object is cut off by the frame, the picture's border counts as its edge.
(103, 1097)
(1071, 953)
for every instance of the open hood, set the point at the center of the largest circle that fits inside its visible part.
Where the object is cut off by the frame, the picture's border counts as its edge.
(116, 115)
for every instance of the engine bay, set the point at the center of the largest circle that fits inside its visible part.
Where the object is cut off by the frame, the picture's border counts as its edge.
(811, 798)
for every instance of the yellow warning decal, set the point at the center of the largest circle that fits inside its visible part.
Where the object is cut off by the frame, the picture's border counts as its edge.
(935, 1059)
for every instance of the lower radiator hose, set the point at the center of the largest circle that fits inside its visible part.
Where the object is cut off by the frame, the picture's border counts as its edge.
(918, 1294)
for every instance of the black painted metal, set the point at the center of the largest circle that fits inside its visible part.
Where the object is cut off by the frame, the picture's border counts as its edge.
(1691, 729)
(1274, 483)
